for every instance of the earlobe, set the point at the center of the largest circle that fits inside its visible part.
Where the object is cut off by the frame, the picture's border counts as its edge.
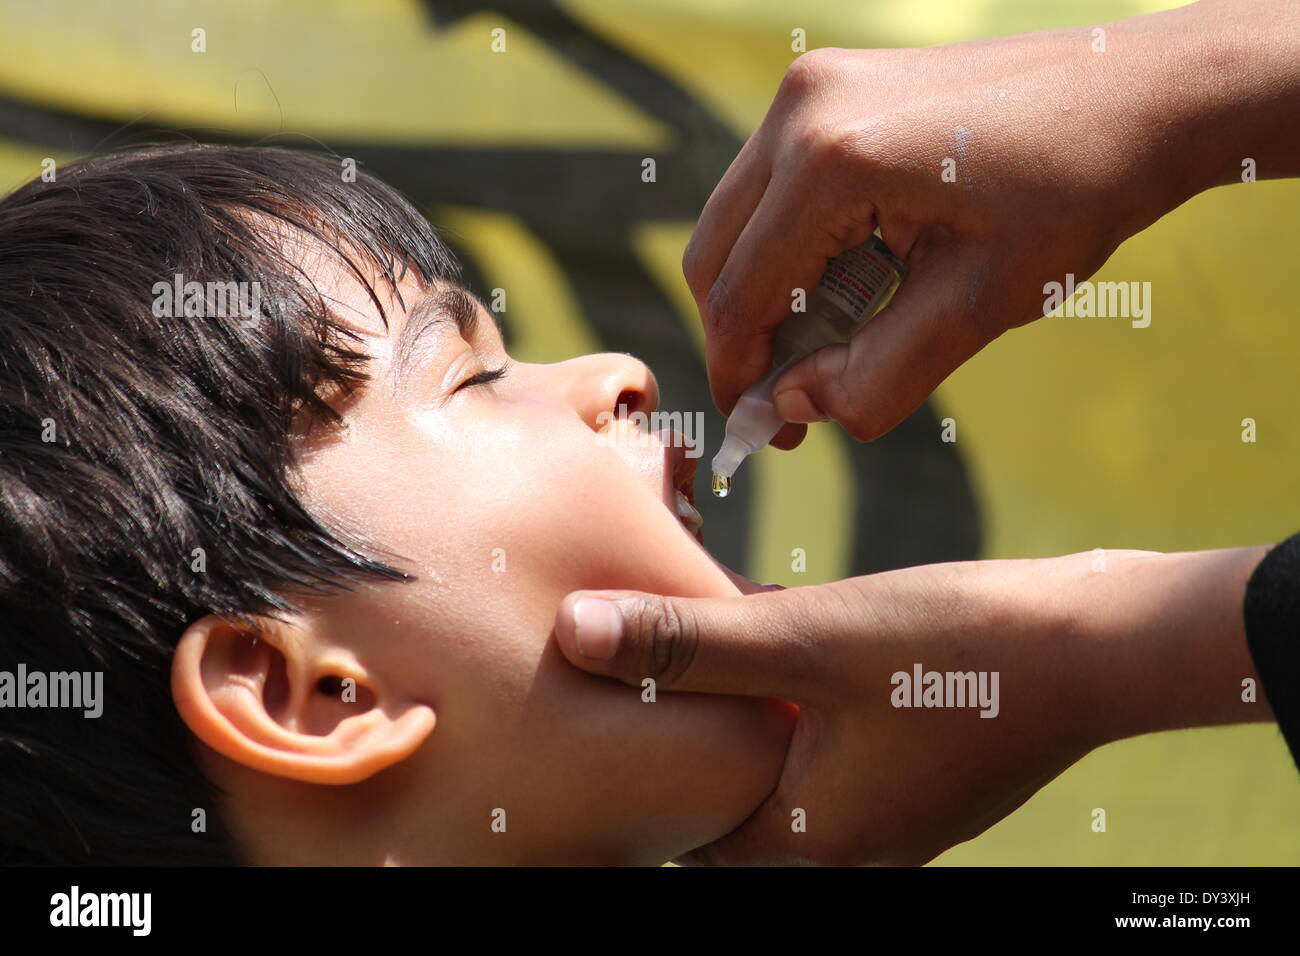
(278, 702)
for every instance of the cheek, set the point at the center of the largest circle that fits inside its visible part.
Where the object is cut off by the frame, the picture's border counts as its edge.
(582, 514)
(463, 491)
(500, 509)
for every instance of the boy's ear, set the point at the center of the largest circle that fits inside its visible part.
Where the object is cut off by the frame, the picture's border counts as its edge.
(277, 701)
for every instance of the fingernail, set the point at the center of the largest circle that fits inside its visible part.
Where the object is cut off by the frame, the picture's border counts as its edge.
(794, 405)
(597, 628)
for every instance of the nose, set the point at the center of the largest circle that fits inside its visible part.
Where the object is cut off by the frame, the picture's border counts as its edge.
(606, 385)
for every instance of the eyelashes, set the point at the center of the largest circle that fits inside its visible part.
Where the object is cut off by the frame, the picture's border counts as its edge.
(484, 378)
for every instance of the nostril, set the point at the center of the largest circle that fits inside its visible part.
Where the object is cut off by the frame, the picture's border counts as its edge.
(629, 401)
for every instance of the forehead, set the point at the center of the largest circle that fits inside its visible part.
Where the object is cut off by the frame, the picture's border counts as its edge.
(408, 310)
(350, 289)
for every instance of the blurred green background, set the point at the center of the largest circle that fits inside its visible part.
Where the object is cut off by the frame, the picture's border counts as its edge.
(1072, 434)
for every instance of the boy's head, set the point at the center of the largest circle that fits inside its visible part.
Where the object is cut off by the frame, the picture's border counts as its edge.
(315, 542)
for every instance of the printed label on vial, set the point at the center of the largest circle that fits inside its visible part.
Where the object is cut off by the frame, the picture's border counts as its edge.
(855, 279)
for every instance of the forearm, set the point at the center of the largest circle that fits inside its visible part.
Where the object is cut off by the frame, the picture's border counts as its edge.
(1156, 641)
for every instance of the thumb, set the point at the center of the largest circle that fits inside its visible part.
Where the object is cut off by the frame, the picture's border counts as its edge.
(748, 645)
(883, 374)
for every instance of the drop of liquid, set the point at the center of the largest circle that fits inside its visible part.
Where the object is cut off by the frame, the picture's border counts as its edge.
(721, 485)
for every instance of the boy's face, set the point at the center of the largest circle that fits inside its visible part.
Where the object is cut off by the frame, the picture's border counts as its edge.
(502, 497)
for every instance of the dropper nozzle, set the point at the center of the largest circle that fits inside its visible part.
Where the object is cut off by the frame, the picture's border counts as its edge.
(751, 425)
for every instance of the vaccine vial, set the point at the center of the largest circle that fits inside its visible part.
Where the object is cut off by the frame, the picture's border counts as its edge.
(856, 285)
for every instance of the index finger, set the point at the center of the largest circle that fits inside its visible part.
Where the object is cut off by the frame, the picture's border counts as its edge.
(783, 248)
(724, 216)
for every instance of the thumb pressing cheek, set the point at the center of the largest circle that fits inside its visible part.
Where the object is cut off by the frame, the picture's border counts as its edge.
(629, 635)
(597, 629)
(590, 630)
(747, 644)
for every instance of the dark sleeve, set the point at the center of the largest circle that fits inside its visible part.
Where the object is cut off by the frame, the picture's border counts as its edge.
(1272, 612)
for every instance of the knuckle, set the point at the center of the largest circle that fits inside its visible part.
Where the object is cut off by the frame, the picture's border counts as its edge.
(667, 639)
(722, 312)
(864, 149)
(810, 71)
(815, 145)
(857, 146)
(693, 268)
(833, 156)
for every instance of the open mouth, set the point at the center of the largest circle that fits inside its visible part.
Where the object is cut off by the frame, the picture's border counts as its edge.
(681, 472)
(677, 477)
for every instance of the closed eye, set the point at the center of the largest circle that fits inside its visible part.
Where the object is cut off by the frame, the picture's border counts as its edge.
(483, 378)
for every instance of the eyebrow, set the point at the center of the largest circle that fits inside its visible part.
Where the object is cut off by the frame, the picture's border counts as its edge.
(452, 304)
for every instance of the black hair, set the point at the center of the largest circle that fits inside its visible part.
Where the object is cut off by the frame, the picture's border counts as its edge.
(129, 439)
